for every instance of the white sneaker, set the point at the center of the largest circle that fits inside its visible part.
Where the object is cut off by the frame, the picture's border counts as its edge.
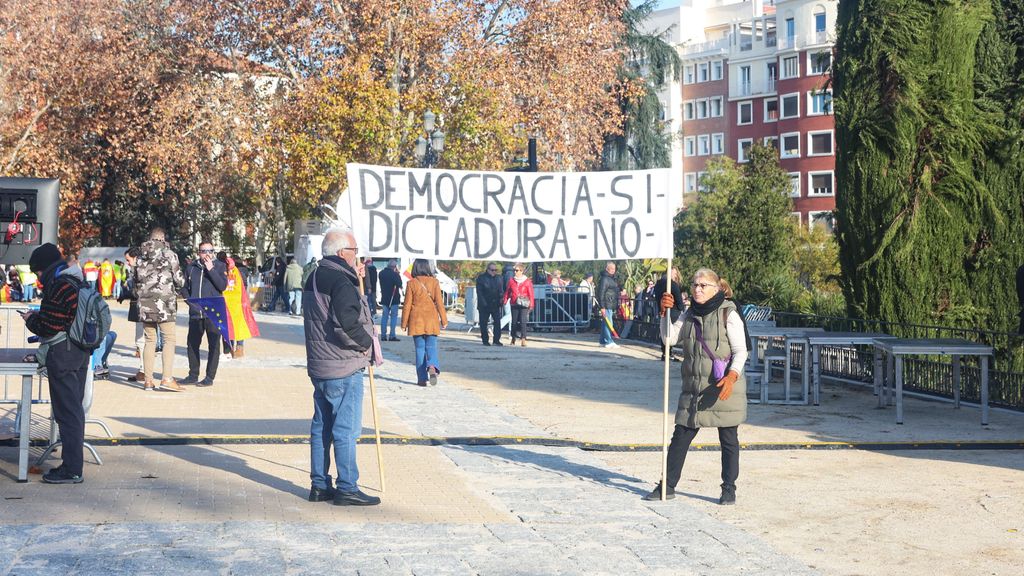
(611, 345)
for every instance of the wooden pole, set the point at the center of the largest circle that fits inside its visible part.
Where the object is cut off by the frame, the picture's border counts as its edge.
(667, 363)
(373, 399)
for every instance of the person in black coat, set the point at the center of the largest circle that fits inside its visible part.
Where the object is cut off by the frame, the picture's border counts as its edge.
(370, 286)
(205, 277)
(489, 292)
(608, 299)
(390, 282)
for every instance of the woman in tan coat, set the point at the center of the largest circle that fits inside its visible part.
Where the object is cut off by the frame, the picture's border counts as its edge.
(423, 318)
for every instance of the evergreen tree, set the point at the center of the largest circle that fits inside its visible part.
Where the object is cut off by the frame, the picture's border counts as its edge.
(929, 129)
(649, 62)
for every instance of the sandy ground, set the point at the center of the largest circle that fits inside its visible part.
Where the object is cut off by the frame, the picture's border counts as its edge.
(850, 512)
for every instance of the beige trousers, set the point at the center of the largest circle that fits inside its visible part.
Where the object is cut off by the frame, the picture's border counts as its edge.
(149, 352)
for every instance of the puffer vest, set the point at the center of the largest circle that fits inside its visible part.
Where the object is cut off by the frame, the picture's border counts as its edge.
(331, 353)
(699, 406)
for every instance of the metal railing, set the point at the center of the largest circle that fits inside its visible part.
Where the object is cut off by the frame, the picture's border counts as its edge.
(564, 307)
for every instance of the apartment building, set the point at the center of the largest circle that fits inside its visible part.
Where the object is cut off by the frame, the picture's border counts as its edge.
(756, 71)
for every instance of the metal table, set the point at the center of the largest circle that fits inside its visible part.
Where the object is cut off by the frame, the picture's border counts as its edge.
(896, 348)
(11, 364)
(792, 335)
(818, 339)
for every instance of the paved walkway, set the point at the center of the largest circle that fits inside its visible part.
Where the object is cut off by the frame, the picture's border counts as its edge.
(447, 510)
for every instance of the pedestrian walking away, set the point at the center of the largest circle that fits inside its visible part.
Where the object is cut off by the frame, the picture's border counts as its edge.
(423, 318)
(489, 296)
(129, 292)
(608, 300)
(207, 277)
(66, 364)
(370, 286)
(157, 279)
(293, 286)
(339, 347)
(714, 392)
(519, 295)
(390, 282)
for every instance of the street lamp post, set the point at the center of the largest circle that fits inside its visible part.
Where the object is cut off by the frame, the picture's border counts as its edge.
(428, 150)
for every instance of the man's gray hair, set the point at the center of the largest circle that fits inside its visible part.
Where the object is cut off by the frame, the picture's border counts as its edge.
(392, 263)
(335, 239)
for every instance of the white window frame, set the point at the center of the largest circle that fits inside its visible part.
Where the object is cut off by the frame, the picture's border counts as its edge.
(810, 183)
(739, 149)
(717, 72)
(768, 139)
(782, 67)
(698, 104)
(689, 73)
(811, 97)
(782, 145)
(739, 113)
(810, 61)
(831, 139)
(689, 108)
(794, 183)
(689, 146)
(704, 72)
(778, 110)
(718, 143)
(720, 103)
(782, 105)
(691, 182)
(812, 213)
(704, 145)
(700, 182)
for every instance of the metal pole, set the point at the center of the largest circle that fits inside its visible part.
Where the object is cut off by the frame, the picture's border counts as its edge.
(373, 403)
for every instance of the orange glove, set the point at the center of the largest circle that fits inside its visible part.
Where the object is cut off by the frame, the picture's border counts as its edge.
(667, 301)
(726, 384)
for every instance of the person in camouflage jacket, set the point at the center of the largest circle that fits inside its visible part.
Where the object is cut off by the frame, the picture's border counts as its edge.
(158, 279)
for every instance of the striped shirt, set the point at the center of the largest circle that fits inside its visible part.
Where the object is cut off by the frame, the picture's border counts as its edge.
(57, 309)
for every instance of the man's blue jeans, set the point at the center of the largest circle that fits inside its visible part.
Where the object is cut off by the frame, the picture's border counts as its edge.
(337, 420)
(102, 352)
(388, 315)
(426, 355)
(296, 305)
(606, 333)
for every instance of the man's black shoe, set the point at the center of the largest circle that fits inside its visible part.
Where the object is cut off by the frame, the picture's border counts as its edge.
(356, 498)
(321, 494)
(498, 343)
(59, 475)
(394, 339)
(189, 380)
(205, 382)
(728, 497)
(655, 494)
(486, 343)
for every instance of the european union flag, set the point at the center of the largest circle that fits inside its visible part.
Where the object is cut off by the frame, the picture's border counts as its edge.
(216, 310)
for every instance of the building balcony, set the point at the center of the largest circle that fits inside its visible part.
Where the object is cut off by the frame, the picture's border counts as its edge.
(720, 45)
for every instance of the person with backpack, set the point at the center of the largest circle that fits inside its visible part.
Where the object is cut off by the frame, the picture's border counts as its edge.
(66, 363)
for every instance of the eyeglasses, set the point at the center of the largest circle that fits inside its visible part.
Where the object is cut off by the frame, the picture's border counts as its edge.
(207, 251)
(350, 248)
(517, 269)
(701, 285)
(492, 269)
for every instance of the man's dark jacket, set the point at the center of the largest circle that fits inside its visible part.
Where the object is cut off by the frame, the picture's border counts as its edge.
(489, 291)
(608, 291)
(371, 281)
(203, 283)
(336, 345)
(390, 287)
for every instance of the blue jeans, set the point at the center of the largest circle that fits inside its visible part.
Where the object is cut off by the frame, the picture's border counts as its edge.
(388, 314)
(296, 305)
(100, 354)
(426, 355)
(29, 292)
(606, 333)
(338, 420)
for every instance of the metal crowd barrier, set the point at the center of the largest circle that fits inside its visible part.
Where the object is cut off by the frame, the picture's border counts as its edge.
(15, 337)
(560, 308)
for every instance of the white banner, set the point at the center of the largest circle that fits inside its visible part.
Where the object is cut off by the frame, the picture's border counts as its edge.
(511, 216)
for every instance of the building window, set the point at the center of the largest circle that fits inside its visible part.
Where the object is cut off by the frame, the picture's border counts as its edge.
(819, 19)
(794, 184)
(700, 182)
(790, 67)
(689, 146)
(702, 108)
(819, 143)
(703, 145)
(772, 71)
(691, 181)
(745, 86)
(771, 109)
(820, 184)
(790, 32)
(819, 62)
(744, 113)
(716, 107)
(772, 141)
(819, 102)
(703, 74)
(688, 110)
(821, 219)
(791, 106)
(688, 74)
(790, 145)
(718, 143)
(743, 149)
(716, 70)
